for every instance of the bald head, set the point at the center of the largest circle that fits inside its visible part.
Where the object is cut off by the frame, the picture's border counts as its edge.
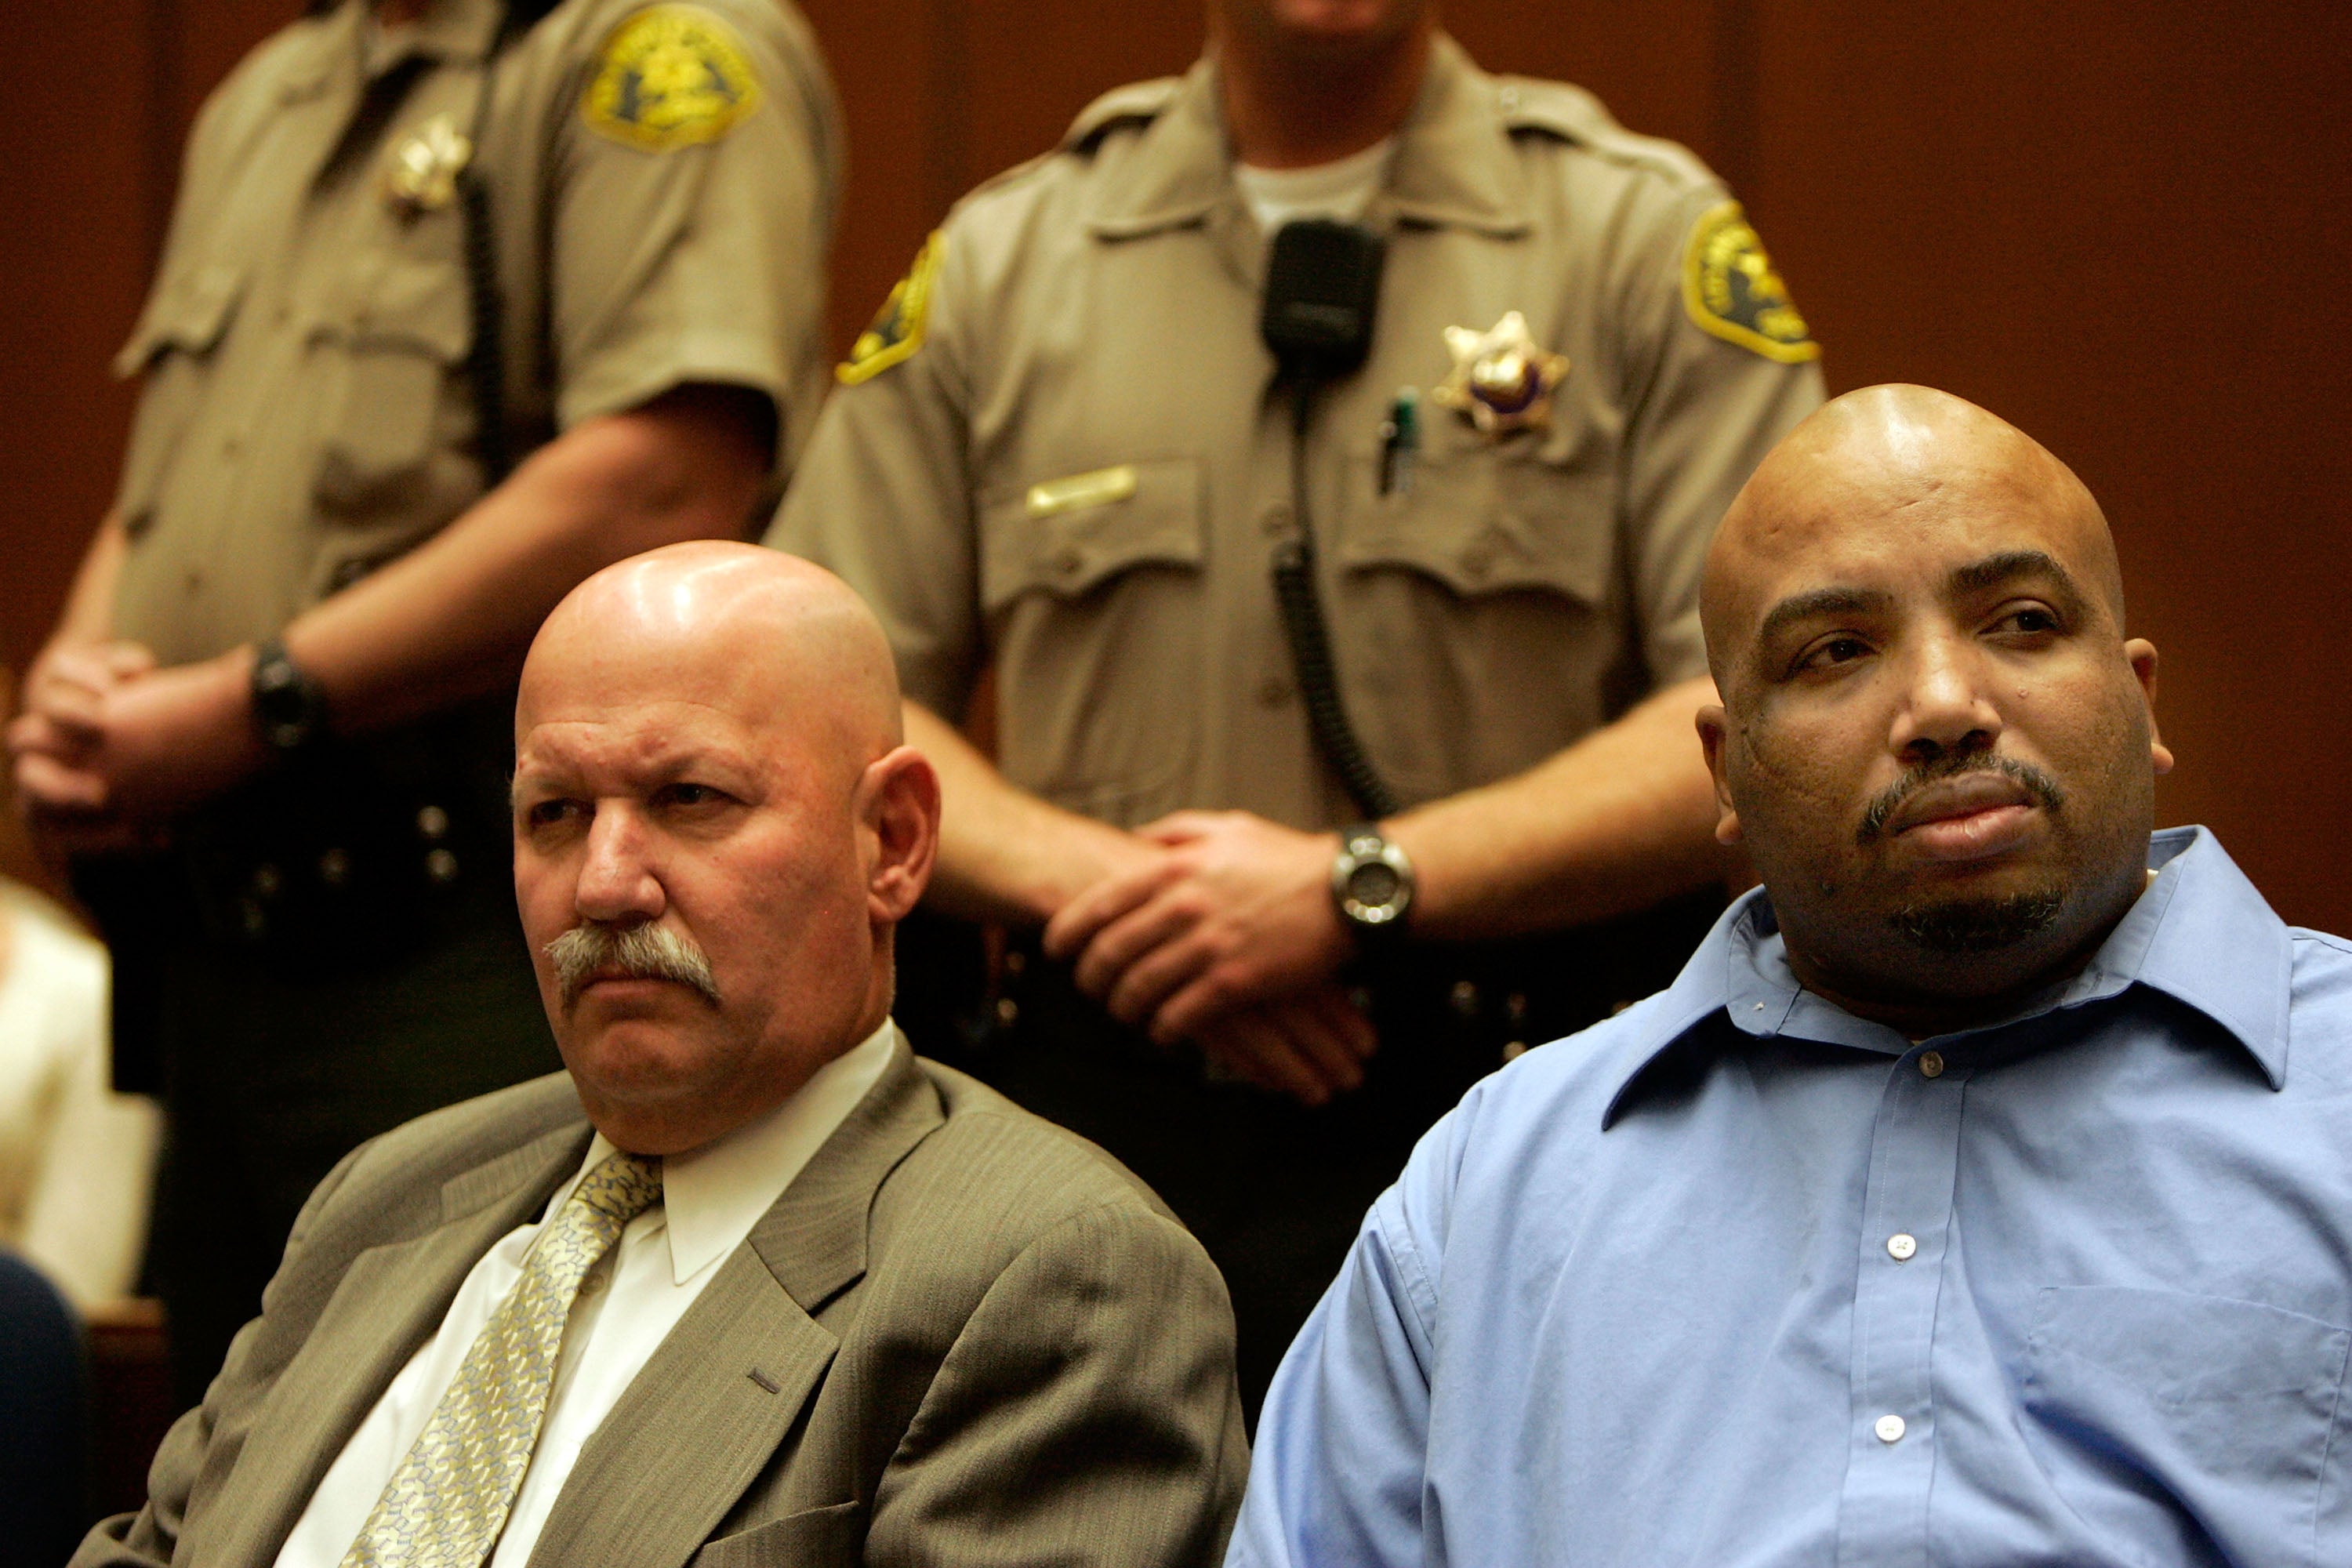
(770, 634)
(717, 829)
(1892, 458)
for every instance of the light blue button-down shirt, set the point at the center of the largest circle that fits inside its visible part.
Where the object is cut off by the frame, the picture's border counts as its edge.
(1736, 1278)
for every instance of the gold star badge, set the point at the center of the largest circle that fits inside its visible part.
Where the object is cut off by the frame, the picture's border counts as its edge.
(1502, 379)
(425, 168)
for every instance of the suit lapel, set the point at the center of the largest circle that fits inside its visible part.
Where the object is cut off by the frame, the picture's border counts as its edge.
(706, 1415)
(388, 1303)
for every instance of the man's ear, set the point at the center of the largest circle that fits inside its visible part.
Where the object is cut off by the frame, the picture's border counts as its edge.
(1713, 729)
(2142, 655)
(899, 804)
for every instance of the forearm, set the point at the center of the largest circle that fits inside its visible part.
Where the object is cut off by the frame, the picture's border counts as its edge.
(1006, 854)
(453, 618)
(89, 615)
(1615, 823)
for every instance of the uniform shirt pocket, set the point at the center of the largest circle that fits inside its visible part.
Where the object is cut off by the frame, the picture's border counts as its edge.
(1068, 534)
(2202, 1428)
(1091, 582)
(1482, 523)
(399, 350)
(174, 340)
(1477, 616)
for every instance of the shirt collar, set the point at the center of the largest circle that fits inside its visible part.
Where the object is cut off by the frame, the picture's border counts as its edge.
(713, 1196)
(1453, 165)
(2200, 935)
(457, 31)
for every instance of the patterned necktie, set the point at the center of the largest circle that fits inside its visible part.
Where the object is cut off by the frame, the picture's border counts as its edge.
(445, 1506)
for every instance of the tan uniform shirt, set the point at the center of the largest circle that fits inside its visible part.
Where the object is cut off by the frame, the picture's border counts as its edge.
(1097, 310)
(663, 184)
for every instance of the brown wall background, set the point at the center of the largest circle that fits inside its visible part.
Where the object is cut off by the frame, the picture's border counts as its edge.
(2127, 227)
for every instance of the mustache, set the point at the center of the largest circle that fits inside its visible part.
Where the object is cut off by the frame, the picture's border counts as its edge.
(594, 950)
(2039, 786)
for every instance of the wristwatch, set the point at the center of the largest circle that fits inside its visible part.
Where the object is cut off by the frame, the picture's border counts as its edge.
(1372, 882)
(290, 708)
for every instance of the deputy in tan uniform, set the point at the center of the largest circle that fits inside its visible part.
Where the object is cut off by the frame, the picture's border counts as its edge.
(461, 302)
(1065, 447)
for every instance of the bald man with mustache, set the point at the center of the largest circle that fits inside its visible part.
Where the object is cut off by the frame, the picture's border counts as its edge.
(1980, 1193)
(749, 1283)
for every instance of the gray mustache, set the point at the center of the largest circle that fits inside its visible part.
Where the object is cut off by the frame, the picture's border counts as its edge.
(639, 952)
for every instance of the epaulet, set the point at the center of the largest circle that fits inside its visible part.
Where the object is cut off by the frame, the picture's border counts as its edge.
(1573, 114)
(1136, 100)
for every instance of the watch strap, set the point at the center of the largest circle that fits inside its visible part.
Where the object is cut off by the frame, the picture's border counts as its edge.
(289, 707)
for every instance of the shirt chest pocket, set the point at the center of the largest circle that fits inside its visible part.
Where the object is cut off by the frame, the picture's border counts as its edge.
(1091, 582)
(173, 344)
(2200, 1428)
(401, 348)
(1065, 537)
(1479, 522)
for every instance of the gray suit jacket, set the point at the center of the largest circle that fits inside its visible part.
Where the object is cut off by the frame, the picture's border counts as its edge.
(962, 1336)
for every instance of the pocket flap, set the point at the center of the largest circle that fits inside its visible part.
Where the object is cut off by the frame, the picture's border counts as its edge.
(1067, 533)
(1482, 523)
(833, 1533)
(419, 306)
(187, 313)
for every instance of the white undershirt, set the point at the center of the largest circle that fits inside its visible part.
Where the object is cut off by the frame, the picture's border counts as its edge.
(1341, 189)
(711, 1200)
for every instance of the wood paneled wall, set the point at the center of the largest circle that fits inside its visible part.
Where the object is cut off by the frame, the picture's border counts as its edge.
(2124, 225)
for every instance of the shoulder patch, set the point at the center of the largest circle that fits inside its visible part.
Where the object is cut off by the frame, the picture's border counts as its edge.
(1730, 288)
(670, 76)
(897, 329)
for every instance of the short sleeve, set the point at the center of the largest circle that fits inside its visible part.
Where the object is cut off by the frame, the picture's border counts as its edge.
(882, 496)
(688, 245)
(1705, 408)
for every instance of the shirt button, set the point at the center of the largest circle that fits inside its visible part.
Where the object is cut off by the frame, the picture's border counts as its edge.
(1273, 691)
(1889, 1429)
(1901, 1245)
(1931, 1065)
(1277, 521)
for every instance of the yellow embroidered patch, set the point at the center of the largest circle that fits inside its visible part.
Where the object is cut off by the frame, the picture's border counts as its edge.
(897, 329)
(1730, 290)
(670, 76)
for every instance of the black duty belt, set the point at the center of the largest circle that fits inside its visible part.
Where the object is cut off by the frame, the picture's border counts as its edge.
(344, 858)
(1479, 1004)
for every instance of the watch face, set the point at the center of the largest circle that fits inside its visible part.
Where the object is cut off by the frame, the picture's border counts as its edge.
(1373, 883)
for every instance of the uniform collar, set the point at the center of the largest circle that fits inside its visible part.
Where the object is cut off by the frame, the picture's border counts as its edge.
(457, 32)
(317, 47)
(1454, 164)
(2200, 935)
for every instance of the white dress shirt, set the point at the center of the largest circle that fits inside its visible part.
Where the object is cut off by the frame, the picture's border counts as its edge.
(711, 1200)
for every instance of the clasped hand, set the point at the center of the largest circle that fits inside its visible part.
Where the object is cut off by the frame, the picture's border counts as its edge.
(1228, 939)
(108, 746)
